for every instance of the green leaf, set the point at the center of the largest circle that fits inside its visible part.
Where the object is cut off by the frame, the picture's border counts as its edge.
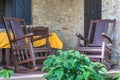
(86, 75)
(79, 77)
(60, 51)
(71, 51)
(87, 60)
(71, 75)
(10, 72)
(59, 74)
(6, 74)
(77, 54)
(118, 78)
(53, 78)
(66, 65)
(104, 70)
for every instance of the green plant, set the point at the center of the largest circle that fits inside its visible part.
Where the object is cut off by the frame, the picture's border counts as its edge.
(117, 76)
(6, 73)
(71, 65)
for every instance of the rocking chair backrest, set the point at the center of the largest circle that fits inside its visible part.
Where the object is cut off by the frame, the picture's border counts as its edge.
(101, 26)
(14, 28)
(40, 31)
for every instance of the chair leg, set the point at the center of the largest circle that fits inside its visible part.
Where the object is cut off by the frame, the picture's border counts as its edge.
(8, 60)
(34, 64)
(16, 68)
(102, 60)
(3, 56)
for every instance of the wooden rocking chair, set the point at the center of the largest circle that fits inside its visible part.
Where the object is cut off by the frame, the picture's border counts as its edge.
(43, 33)
(100, 44)
(23, 52)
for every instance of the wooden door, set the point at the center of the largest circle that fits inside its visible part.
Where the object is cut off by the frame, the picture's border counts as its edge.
(92, 11)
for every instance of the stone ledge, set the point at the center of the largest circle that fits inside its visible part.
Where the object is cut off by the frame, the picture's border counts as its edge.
(26, 77)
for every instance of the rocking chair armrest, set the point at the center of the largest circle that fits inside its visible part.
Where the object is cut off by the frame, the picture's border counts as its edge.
(23, 37)
(42, 37)
(107, 37)
(81, 37)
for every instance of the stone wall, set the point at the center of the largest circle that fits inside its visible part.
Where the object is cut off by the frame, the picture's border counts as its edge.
(65, 17)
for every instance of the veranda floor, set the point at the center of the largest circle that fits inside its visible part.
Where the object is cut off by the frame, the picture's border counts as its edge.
(37, 75)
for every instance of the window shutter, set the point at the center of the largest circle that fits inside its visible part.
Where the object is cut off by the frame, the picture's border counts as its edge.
(22, 9)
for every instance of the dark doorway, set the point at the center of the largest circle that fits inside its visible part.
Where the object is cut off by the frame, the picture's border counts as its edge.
(92, 11)
(15, 8)
(2, 10)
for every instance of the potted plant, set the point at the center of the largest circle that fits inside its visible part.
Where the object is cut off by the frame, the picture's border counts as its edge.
(71, 65)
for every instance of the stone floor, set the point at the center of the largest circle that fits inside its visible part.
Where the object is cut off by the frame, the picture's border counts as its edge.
(36, 75)
(116, 69)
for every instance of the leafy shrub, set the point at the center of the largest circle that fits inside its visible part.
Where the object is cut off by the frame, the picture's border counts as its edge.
(117, 76)
(71, 65)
